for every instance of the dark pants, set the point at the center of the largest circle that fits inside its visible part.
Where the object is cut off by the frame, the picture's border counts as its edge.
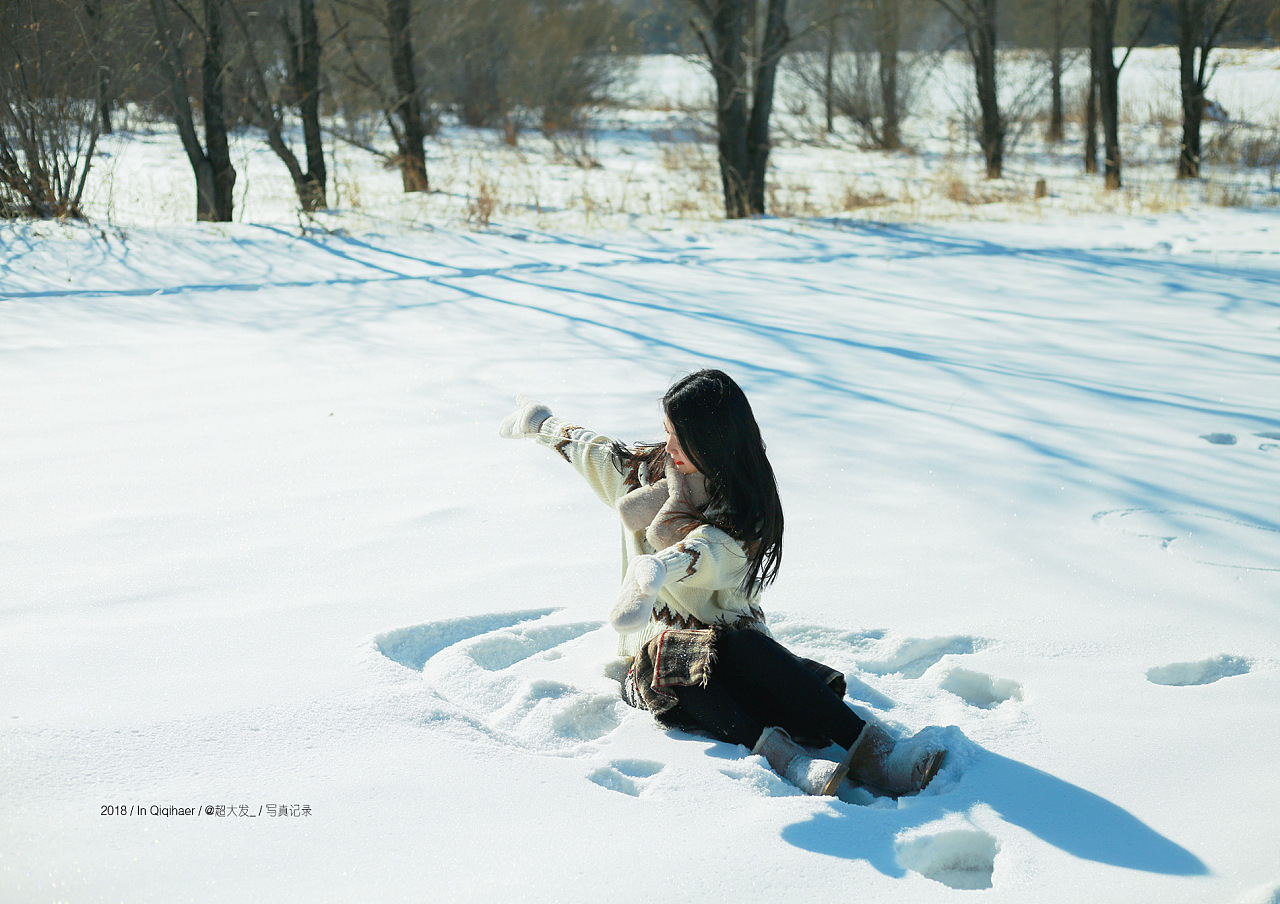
(756, 683)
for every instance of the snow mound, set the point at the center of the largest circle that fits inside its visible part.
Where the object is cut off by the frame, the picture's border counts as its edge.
(413, 646)
(915, 656)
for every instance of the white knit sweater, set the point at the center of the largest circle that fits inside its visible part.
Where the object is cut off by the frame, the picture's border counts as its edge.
(704, 569)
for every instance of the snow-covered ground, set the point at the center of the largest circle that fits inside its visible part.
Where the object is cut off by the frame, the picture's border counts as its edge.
(262, 550)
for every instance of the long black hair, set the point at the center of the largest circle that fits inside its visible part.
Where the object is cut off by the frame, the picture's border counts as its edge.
(718, 431)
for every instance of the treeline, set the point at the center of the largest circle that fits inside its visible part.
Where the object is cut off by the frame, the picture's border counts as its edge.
(310, 72)
(346, 70)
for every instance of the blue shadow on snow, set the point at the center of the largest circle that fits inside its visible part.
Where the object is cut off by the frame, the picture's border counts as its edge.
(1057, 812)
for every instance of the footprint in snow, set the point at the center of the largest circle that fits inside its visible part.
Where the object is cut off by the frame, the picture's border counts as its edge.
(980, 690)
(962, 858)
(1206, 671)
(1230, 439)
(1271, 447)
(629, 777)
(1200, 537)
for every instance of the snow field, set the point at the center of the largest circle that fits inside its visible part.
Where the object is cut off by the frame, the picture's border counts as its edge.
(262, 546)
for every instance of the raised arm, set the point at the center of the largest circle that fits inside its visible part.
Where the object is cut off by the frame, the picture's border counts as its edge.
(590, 453)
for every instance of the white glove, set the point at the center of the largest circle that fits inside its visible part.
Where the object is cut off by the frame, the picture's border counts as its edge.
(525, 420)
(645, 577)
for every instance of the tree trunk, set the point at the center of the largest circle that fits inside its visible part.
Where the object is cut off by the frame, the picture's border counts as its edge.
(1192, 105)
(408, 106)
(983, 50)
(888, 26)
(1200, 26)
(311, 192)
(1108, 93)
(104, 100)
(184, 119)
(729, 68)
(758, 145)
(93, 11)
(1058, 29)
(743, 132)
(215, 124)
(828, 76)
(1091, 102)
(1102, 22)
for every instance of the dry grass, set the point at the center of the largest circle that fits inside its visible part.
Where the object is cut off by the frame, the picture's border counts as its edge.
(959, 190)
(791, 198)
(1227, 194)
(852, 196)
(483, 204)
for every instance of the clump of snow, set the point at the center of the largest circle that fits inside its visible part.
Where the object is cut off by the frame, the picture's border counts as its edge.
(957, 857)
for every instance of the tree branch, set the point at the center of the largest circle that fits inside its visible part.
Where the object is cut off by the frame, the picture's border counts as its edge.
(1151, 11)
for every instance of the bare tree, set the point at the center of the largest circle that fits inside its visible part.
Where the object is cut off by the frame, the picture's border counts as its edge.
(95, 26)
(407, 105)
(1058, 27)
(268, 95)
(977, 21)
(1053, 28)
(305, 75)
(1201, 24)
(727, 30)
(1102, 28)
(390, 76)
(1091, 101)
(831, 30)
(211, 162)
(859, 70)
(48, 131)
(886, 16)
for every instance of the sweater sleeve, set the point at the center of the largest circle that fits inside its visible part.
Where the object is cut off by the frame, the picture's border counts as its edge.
(591, 455)
(707, 559)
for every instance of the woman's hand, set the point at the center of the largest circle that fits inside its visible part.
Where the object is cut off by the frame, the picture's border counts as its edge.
(525, 420)
(645, 577)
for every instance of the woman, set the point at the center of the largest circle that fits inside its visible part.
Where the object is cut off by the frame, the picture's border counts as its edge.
(702, 538)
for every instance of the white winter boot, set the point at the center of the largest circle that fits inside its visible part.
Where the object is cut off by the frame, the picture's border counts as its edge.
(788, 759)
(876, 759)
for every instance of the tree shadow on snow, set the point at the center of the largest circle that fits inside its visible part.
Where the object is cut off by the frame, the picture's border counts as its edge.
(1057, 812)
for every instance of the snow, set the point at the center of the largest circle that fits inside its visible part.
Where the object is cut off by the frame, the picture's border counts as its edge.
(263, 548)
